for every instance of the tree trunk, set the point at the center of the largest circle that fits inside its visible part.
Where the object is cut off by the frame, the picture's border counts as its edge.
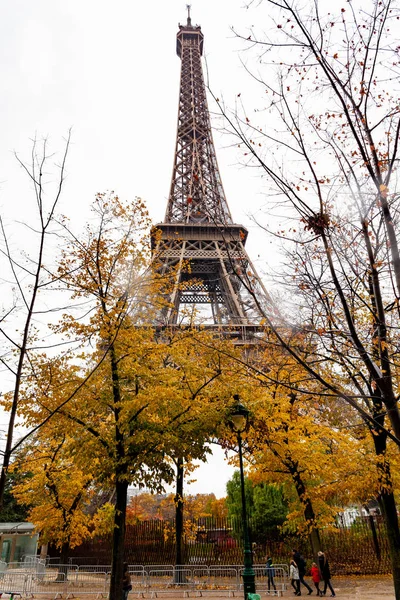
(43, 551)
(118, 548)
(179, 576)
(315, 541)
(388, 506)
(374, 534)
(309, 515)
(63, 568)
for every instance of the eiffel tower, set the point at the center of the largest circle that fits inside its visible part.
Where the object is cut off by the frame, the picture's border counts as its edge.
(198, 237)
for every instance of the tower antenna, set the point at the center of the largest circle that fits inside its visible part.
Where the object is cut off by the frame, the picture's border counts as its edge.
(189, 20)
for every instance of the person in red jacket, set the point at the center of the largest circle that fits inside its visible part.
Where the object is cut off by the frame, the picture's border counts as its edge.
(316, 577)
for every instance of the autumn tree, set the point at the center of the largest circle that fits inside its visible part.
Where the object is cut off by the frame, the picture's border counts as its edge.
(297, 441)
(191, 444)
(218, 508)
(137, 399)
(59, 488)
(146, 506)
(329, 150)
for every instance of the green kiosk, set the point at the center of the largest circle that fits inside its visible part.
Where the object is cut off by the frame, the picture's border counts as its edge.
(17, 541)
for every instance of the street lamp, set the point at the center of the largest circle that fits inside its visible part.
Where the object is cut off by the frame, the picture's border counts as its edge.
(239, 419)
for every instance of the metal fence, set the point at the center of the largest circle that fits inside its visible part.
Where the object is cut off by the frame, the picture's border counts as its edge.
(46, 584)
(361, 548)
(147, 581)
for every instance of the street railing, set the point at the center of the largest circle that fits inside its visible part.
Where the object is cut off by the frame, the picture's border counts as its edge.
(45, 584)
(146, 580)
(13, 582)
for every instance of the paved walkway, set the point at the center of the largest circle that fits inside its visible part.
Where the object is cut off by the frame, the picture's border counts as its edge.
(346, 588)
(357, 588)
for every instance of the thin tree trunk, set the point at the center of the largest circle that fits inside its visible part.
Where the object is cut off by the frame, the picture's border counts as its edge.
(121, 484)
(388, 507)
(118, 547)
(387, 502)
(374, 534)
(30, 303)
(178, 578)
(309, 515)
(43, 551)
(393, 246)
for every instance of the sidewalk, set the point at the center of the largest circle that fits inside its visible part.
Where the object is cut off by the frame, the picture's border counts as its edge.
(357, 588)
(346, 588)
(379, 587)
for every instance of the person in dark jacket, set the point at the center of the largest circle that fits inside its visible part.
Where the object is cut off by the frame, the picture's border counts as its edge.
(270, 573)
(325, 573)
(301, 565)
(126, 581)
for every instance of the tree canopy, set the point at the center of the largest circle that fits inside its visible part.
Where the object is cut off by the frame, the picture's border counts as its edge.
(324, 132)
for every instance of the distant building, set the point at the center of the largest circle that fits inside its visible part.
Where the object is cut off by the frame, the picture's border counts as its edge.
(350, 514)
(132, 492)
(17, 540)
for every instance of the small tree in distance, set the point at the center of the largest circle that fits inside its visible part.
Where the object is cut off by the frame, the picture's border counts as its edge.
(146, 507)
(265, 503)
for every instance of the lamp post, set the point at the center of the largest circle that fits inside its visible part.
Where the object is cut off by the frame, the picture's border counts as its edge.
(239, 419)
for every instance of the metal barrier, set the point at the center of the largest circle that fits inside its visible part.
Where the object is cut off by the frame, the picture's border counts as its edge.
(14, 565)
(159, 581)
(225, 578)
(195, 580)
(13, 583)
(96, 568)
(274, 587)
(47, 584)
(138, 580)
(148, 568)
(32, 561)
(55, 569)
(283, 566)
(88, 582)
(201, 577)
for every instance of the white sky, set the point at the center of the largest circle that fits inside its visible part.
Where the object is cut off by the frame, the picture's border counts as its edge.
(110, 71)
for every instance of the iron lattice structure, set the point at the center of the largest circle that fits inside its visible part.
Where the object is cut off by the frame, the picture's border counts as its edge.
(198, 238)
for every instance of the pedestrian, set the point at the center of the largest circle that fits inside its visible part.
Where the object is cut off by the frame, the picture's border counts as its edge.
(316, 577)
(325, 573)
(126, 581)
(301, 565)
(294, 578)
(270, 573)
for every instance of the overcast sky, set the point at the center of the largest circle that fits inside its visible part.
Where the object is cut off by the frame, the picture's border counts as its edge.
(110, 71)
